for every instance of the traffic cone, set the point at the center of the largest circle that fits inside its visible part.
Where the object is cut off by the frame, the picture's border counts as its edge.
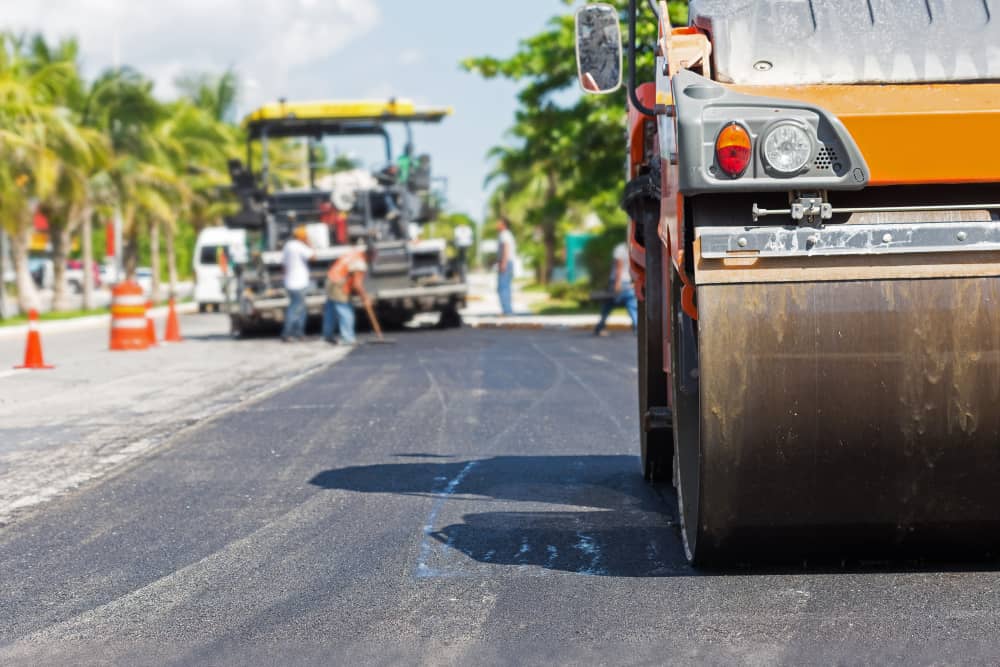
(33, 350)
(173, 332)
(150, 325)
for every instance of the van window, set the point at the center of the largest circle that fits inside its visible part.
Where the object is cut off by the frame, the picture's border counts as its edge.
(209, 255)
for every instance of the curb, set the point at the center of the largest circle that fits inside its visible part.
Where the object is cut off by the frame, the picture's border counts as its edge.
(88, 322)
(538, 323)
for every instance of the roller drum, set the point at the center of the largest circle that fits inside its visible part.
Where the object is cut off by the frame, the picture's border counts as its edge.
(844, 417)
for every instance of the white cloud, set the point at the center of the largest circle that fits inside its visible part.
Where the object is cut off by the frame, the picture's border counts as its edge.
(264, 40)
(379, 91)
(410, 56)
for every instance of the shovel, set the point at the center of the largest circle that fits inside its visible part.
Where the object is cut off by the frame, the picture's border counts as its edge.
(379, 338)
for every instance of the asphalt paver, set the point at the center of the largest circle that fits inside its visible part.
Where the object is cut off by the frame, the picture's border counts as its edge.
(460, 497)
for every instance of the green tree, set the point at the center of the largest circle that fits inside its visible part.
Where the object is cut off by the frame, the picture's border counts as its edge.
(81, 154)
(560, 158)
(215, 94)
(33, 132)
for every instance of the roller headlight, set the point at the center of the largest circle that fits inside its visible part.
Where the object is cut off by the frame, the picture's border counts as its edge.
(787, 148)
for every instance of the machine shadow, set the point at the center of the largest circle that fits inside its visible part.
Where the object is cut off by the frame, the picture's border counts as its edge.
(605, 520)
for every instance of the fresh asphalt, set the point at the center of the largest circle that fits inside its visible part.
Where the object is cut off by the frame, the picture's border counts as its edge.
(460, 497)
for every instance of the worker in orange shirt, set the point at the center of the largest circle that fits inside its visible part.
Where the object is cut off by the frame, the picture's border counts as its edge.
(345, 278)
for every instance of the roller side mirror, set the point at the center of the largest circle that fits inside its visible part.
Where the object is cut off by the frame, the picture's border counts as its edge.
(598, 48)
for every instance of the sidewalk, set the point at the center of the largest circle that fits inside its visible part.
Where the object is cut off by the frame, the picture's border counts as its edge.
(483, 310)
(98, 409)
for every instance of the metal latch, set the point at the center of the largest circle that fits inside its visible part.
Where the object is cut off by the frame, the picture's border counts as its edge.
(810, 209)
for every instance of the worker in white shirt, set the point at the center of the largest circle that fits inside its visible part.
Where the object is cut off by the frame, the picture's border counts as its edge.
(295, 259)
(507, 253)
(463, 241)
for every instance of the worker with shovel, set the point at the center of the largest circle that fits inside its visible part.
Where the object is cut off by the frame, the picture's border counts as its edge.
(345, 277)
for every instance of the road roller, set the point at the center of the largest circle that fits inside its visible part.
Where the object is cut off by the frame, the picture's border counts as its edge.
(814, 199)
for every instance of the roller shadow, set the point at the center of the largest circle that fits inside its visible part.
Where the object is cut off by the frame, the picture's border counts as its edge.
(623, 526)
(605, 520)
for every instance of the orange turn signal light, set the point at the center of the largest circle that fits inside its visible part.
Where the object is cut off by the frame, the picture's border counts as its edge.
(733, 149)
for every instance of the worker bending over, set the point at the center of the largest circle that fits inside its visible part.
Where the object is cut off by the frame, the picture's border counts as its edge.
(345, 278)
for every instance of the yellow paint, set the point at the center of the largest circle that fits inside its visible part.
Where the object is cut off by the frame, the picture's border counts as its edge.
(398, 109)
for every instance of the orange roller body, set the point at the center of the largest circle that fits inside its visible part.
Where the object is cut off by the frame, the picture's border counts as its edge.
(819, 353)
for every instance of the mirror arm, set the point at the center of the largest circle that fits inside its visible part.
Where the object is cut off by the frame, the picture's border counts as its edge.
(642, 108)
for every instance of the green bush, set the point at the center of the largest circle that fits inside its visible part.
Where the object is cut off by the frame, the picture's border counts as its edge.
(563, 291)
(597, 255)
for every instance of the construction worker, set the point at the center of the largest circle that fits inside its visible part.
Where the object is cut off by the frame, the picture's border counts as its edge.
(295, 259)
(345, 278)
(506, 256)
(463, 241)
(623, 293)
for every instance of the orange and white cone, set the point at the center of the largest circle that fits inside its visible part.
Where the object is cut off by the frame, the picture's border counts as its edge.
(150, 324)
(33, 358)
(173, 331)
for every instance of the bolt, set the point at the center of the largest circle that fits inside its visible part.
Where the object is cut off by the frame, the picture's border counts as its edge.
(762, 65)
(962, 236)
(887, 238)
(742, 242)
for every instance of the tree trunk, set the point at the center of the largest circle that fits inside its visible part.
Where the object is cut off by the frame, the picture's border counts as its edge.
(549, 241)
(549, 229)
(171, 261)
(3, 273)
(88, 259)
(27, 293)
(61, 239)
(130, 253)
(154, 259)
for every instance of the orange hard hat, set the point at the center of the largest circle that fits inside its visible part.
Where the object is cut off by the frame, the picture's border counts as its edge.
(300, 233)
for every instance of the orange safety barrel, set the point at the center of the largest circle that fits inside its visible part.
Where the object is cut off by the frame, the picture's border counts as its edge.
(128, 317)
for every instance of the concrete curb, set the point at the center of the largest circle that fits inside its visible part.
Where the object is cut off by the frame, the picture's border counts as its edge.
(88, 322)
(537, 322)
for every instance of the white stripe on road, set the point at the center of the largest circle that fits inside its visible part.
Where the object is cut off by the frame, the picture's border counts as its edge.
(423, 570)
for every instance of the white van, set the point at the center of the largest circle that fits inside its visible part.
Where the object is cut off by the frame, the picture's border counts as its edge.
(207, 272)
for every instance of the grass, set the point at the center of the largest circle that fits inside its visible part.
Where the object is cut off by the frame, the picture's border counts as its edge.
(565, 306)
(54, 316)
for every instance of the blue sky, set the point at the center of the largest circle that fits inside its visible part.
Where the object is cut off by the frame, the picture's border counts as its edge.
(321, 49)
(415, 53)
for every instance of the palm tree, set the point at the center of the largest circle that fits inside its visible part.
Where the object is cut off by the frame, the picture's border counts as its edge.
(215, 94)
(83, 153)
(32, 131)
(195, 147)
(121, 105)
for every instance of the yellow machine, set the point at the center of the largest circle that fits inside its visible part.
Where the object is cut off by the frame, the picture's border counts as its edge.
(409, 274)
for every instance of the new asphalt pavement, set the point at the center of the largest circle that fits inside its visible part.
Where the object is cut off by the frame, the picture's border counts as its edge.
(458, 497)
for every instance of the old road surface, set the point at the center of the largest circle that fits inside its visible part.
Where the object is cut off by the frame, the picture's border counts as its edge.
(463, 497)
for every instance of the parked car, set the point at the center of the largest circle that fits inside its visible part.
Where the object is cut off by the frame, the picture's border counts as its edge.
(208, 273)
(74, 275)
